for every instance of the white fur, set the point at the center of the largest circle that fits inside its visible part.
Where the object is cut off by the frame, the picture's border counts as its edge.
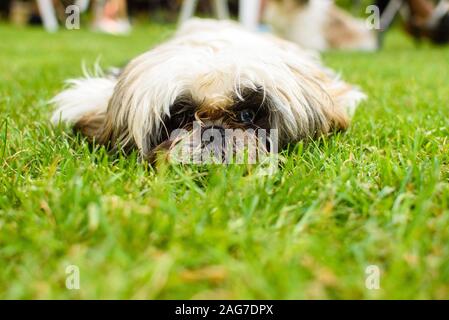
(84, 95)
(211, 61)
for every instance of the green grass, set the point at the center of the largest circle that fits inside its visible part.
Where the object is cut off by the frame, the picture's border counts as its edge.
(375, 195)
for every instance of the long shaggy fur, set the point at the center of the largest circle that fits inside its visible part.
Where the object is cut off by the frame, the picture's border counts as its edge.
(213, 64)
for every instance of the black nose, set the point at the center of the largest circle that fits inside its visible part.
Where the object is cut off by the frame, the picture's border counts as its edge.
(214, 130)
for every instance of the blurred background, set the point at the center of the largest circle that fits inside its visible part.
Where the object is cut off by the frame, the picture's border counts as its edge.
(313, 24)
(22, 12)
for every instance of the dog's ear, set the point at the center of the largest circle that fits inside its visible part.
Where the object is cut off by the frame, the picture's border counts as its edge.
(345, 99)
(324, 103)
(340, 104)
(320, 102)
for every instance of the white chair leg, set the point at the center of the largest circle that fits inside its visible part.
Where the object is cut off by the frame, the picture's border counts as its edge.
(221, 9)
(48, 15)
(249, 11)
(187, 10)
(440, 10)
(387, 17)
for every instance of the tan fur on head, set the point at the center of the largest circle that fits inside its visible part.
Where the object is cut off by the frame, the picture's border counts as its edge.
(211, 72)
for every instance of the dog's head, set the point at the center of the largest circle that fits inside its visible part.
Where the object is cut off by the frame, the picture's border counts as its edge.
(221, 83)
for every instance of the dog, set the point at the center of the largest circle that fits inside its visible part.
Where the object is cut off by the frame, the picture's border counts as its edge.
(212, 75)
(319, 25)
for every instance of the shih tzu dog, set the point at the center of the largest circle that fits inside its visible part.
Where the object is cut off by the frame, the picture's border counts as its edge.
(319, 25)
(212, 77)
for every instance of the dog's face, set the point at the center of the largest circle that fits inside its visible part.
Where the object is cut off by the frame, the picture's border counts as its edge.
(215, 79)
(222, 127)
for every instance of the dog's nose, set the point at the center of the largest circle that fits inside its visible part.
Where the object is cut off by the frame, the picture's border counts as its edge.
(213, 130)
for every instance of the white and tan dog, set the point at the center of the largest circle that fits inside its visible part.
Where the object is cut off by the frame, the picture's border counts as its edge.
(319, 25)
(215, 73)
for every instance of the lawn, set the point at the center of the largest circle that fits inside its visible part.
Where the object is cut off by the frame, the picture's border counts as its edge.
(377, 194)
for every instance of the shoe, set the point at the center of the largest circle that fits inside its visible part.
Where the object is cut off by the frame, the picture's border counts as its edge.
(114, 27)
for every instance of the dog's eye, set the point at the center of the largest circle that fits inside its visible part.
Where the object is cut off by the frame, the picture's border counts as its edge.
(179, 119)
(247, 116)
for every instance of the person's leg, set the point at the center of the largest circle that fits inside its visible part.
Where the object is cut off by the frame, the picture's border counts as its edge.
(111, 16)
(187, 10)
(114, 9)
(48, 15)
(221, 9)
(249, 13)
